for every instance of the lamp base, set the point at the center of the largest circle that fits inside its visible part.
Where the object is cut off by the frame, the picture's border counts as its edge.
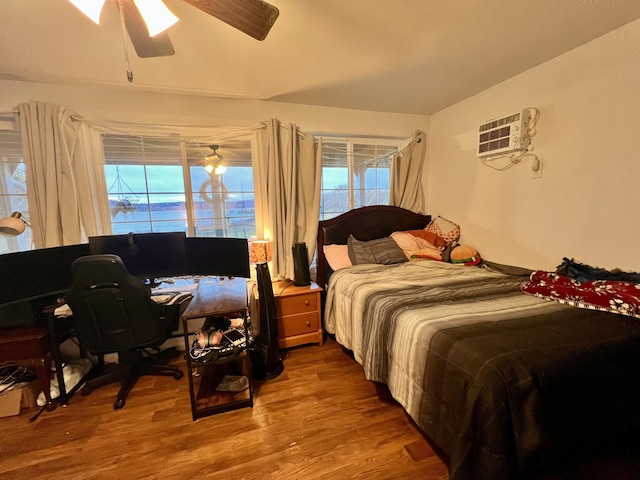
(262, 374)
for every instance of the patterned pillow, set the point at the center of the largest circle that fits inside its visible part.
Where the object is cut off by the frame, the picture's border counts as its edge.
(444, 228)
(384, 251)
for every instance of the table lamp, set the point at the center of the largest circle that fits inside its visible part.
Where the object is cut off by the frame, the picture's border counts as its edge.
(265, 356)
(260, 252)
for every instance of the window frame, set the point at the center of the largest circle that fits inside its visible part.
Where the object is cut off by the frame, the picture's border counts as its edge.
(191, 154)
(350, 142)
(12, 201)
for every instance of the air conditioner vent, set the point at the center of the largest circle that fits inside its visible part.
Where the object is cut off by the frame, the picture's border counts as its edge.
(504, 135)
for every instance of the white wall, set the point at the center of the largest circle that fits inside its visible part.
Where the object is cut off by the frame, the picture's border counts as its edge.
(135, 106)
(585, 205)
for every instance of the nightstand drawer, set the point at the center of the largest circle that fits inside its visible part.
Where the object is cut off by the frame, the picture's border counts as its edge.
(296, 304)
(298, 324)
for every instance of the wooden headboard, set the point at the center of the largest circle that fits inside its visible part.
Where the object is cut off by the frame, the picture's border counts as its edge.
(365, 223)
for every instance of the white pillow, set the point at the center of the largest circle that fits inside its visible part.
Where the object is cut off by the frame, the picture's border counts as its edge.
(337, 256)
(409, 243)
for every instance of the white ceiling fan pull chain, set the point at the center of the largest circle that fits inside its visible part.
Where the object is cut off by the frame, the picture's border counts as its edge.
(124, 42)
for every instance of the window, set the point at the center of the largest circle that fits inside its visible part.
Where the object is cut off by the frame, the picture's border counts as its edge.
(13, 189)
(158, 184)
(355, 173)
(223, 204)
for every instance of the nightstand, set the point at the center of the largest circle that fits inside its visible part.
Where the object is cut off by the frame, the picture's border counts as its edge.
(298, 313)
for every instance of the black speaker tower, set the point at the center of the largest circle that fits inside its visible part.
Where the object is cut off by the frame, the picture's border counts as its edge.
(301, 275)
(265, 355)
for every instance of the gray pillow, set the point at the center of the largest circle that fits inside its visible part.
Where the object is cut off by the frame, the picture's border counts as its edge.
(384, 251)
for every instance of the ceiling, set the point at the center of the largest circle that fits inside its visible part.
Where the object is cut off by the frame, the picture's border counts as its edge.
(402, 56)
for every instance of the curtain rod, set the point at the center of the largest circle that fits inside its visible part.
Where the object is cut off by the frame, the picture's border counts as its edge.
(73, 117)
(113, 124)
(302, 135)
(411, 145)
(163, 130)
(415, 142)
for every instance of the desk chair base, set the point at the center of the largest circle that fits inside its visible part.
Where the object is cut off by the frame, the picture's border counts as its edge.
(132, 366)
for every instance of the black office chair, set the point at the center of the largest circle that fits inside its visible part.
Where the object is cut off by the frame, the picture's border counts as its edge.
(113, 312)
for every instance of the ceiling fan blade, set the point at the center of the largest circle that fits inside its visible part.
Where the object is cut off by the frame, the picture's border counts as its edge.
(253, 17)
(145, 46)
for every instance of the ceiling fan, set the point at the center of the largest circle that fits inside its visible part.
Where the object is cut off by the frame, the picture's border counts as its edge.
(253, 17)
(213, 161)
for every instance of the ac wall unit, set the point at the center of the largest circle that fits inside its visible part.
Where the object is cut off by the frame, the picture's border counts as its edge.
(507, 134)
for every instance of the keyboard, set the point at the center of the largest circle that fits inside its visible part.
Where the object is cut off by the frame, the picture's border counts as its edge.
(170, 298)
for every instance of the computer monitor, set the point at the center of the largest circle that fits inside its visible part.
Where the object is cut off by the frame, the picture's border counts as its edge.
(38, 273)
(146, 255)
(218, 256)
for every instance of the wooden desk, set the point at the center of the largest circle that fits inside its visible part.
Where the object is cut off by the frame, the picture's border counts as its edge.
(216, 297)
(29, 346)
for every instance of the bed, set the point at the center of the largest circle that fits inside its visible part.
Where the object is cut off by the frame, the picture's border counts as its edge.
(507, 385)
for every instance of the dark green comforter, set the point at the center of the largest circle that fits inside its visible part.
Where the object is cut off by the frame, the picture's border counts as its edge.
(506, 384)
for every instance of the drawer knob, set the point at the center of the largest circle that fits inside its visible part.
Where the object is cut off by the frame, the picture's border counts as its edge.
(306, 302)
(308, 323)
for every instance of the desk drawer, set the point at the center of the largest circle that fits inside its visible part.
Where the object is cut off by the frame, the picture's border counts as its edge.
(298, 324)
(296, 304)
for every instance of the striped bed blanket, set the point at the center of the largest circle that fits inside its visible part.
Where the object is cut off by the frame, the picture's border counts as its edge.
(506, 384)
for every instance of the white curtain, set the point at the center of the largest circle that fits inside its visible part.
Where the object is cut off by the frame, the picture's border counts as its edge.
(62, 185)
(91, 184)
(287, 177)
(406, 175)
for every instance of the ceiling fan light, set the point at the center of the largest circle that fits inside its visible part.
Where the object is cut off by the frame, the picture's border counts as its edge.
(209, 168)
(91, 8)
(220, 169)
(156, 15)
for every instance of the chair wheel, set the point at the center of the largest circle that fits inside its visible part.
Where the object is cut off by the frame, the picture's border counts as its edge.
(178, 375)
(118, 404)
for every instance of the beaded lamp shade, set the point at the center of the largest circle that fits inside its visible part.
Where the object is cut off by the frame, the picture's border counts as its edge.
(260, 251)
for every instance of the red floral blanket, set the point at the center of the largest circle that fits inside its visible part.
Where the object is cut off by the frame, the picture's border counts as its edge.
(605, 295)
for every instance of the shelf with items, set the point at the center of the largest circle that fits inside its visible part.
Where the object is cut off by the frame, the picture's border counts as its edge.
(219, 366)
(221, 386)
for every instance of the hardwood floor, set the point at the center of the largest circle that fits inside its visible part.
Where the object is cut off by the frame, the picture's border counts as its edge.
(319, 419)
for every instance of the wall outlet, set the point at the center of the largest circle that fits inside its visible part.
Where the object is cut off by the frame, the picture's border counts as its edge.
(536, 168)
